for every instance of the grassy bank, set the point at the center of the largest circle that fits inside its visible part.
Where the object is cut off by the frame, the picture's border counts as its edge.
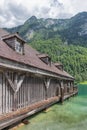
(85, 82)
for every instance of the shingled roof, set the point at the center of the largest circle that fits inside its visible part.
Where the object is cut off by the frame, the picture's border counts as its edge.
(31, 57)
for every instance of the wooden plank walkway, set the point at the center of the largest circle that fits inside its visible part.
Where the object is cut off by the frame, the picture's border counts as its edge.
(70, 95)
(16, 116)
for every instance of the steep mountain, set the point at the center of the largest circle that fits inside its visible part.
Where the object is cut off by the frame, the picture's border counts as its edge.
(76, 33)
(72, 31)
(35, 28)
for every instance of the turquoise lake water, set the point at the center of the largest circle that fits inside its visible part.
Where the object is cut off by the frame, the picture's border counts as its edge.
(72, 115)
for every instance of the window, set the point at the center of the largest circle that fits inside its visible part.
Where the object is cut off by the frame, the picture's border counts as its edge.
(18, 46)
(45, 58)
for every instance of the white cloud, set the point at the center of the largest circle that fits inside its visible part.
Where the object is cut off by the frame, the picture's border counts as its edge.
(74, 6)
(15, 12)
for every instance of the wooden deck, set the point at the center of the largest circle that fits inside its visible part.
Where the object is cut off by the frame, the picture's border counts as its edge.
(70, 95)
(13, 117)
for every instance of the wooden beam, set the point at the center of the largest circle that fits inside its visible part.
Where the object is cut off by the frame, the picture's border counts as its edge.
(15, 80)
(15, 102)
(47, 82)
(21, 67)
(9, 81)
(62, 92)
(20, 82)
(17, 84)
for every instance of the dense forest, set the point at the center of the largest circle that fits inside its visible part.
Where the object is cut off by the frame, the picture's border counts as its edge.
(74, 58)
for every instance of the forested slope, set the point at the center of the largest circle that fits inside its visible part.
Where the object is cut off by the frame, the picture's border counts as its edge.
(74, 58)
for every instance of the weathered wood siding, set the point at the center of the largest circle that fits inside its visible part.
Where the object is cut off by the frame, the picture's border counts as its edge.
(54, 88)
(6, 95)
(68, 87)
(31, 91)
(1, 89)
(11, 42)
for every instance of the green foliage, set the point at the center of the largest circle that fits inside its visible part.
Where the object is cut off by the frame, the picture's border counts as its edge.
(74, 58)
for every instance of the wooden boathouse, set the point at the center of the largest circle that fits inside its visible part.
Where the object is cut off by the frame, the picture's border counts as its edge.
(29, 81)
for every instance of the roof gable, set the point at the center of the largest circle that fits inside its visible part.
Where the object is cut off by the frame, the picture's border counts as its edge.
(59, 66)
(15, 42)
(45, 58)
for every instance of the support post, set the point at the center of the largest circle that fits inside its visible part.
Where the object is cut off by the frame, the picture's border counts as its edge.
(15, 93)
(15, 102)
(47, 84)
(62, 92)
(17, 84)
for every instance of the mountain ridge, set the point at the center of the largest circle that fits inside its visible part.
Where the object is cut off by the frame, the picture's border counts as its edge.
(73, 30)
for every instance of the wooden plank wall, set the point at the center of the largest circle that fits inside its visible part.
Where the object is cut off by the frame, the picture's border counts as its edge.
(31, 91)
(68, 87)
(53, 88)
(11, 42)
(6, 95)
(1, 90)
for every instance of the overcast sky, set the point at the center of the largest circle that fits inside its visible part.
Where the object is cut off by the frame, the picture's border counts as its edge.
(15, 12)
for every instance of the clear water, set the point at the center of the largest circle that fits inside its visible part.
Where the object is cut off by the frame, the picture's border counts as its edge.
(82, 90)
(72, 115)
